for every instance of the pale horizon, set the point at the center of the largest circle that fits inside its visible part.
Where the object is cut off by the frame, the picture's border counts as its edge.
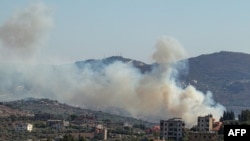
(97, 29)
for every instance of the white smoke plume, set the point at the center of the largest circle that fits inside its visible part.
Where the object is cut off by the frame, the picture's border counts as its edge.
(25, 31)
(152, 95)
(168, 50)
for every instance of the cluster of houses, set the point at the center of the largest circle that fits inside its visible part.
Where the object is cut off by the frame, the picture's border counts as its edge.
(56, 124)
(172, 129)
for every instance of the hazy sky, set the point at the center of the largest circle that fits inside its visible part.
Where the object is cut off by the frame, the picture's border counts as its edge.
(85, 29)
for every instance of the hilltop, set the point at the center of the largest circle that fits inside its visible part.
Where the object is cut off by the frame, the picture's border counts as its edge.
(225, 74)
(6, 111)
(57, 110)
(101, 63)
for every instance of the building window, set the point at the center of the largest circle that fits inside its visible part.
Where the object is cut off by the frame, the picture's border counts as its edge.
(170, 133)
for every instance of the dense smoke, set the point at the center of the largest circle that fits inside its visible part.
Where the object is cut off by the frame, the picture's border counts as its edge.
(24, 32)
(168, 51)
(153, 95)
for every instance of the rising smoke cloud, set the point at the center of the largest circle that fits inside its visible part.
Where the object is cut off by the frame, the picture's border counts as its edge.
(25, 31)
(153, 95)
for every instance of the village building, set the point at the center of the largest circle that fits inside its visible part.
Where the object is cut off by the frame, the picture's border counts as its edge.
(57, 124)
(172, 129)
(206, 129)
(23, 127)
(84, 121)
(205, 124)
(153, 130)
(100, 129)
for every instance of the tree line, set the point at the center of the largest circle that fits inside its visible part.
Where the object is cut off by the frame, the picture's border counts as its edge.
(243, 117)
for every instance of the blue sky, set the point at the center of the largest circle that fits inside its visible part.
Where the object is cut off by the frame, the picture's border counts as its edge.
(86, 29)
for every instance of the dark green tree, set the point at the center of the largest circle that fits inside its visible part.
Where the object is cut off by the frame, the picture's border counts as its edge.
(228, 115)
(244, 116)
(73, 117)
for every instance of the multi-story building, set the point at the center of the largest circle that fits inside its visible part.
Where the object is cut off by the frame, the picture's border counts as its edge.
(206, 129)
(205, 123)
(172, 129)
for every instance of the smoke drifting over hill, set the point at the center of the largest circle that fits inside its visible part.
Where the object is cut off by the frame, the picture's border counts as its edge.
(153, 95)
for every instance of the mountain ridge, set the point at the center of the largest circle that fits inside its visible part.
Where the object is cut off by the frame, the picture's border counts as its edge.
(32, 107)
(226, 74)
(99, 63)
